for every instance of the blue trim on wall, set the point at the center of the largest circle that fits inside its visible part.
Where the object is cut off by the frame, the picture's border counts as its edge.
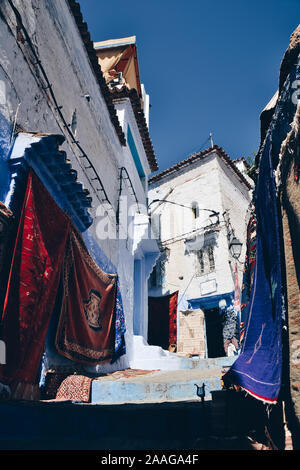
(134, 153)
(206, 303)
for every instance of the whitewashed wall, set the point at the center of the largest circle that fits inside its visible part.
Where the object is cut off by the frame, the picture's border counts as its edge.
(211, 184)
(59, 46)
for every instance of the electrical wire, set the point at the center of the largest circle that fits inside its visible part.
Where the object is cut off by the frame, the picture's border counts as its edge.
(11, 83)
(196, 231)
(58, 109)
(123, 169)
(198, 149)
(15, 122)
(182, 296)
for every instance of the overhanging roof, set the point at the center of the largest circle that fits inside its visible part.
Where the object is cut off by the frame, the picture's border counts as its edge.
(124, 92)
(107, 94)
(110, 43)
(118, 60)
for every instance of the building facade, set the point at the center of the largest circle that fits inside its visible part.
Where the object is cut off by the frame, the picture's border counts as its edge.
(90, 149)
(197, 207)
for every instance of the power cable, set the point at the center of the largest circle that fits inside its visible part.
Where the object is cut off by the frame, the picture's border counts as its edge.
(123, 169)
(89, 165)
(199, 148)
(182, 296)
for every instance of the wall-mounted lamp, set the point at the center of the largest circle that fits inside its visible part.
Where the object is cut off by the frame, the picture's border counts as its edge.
(235, 247)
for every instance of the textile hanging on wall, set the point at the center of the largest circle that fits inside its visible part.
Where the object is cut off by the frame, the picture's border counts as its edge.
(230, 328)
(6, 220)
(173, 318)
(54, 361)
(120, 328)
(258, 368)
(162, 327)
(86, 329)
(105, 264)
(7, 232)
(237, 301)
(32, 286)
(6, 127)
(248, 271)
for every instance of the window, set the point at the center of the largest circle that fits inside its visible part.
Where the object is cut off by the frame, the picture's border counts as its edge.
(204, 261)
(199, 262)
(195, 210)
(74, 123)
(211, 258)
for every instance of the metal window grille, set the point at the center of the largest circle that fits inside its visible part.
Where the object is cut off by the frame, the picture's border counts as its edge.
(211, 258)
(200, 266)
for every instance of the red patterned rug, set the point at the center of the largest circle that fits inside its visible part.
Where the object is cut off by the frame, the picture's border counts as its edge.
(86, 328)
(78, 387)
(75, 388)
(32, 285)
(128, 373)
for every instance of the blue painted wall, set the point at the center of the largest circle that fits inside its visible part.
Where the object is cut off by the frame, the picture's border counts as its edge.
(135, 154)
(5, 137)
(206, 303)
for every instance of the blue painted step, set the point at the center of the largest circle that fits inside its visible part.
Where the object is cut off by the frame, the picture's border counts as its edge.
(161, 386)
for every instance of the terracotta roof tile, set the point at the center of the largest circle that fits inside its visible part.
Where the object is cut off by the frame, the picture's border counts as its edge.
(89, 46)
(132, 94)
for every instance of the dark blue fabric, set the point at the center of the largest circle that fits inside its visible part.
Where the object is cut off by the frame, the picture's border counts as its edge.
(5, 145)
(259, 366)
(13, 174)
(13, 181)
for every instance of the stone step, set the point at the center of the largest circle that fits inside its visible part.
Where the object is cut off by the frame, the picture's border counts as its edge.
(182, 363)
(147, 357)
(157, 387)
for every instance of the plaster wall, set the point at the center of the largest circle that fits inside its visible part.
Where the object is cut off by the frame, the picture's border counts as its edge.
(212, 185)
(26, 102)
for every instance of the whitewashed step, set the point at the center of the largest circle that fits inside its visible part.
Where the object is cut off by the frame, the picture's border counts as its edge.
(148, 357)
(157, 387)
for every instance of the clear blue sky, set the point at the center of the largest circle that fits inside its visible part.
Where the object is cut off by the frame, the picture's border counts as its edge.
(208, 66)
